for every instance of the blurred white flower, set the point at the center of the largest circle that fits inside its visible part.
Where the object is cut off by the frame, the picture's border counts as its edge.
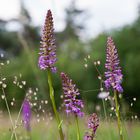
(103, 95)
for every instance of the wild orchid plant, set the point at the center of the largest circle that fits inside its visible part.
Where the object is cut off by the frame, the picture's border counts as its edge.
(72, 104)
(93, 123)
(114, 77)
(47, 60)
(26, 115)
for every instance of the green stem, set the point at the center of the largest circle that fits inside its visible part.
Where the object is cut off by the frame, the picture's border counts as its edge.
(9, 113)
(107, 120)
(54, 105)
(118, 115)
(16, 122)
(93, 136)
(29, 135)
(78, 130)
(105, 114)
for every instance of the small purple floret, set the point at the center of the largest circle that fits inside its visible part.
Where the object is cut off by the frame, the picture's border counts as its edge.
(88, 137)
(113, 74)
(47, 53)
(72, 104)
(26, 114)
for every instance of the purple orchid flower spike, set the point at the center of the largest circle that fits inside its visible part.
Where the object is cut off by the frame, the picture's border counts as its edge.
(93, 123)
(72, 104)
(113, 74)
(47, 53)
(26, 114)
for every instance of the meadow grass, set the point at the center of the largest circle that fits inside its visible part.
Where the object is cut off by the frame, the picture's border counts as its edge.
(47, 130)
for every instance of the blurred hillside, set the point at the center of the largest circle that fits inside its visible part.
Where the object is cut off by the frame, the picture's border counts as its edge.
(21, 48)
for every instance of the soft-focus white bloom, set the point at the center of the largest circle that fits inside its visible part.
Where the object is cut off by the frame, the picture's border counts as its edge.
(103, 95)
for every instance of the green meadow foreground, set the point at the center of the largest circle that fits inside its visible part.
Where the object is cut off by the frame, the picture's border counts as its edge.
(46, 130)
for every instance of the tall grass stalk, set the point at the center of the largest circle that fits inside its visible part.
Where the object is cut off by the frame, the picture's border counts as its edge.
(9, 113)
(17, 119)
(105, 114)
(27, 50)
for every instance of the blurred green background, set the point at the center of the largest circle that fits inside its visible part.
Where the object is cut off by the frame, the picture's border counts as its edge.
(21, 47)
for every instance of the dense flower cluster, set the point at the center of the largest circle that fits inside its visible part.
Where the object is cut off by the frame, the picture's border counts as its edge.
(93, 123)
(47, 53)
(113, 74)
(72, 104)
(26, 114)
